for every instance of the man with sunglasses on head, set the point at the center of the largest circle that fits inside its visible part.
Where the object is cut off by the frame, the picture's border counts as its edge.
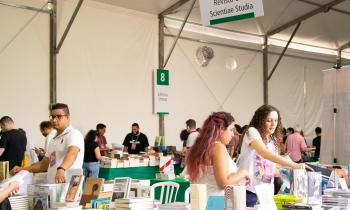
(65, 151)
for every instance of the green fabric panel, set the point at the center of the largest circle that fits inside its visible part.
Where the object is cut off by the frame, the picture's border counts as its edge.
(148, 172)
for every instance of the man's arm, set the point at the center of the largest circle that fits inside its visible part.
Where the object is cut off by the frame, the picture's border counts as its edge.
(37, 167)
(2, 150)
(126, 143)
(125, 149)
(70, 157)
(67, 162)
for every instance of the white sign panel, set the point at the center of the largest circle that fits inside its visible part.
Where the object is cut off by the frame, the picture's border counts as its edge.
(161, 91)
(222, 11)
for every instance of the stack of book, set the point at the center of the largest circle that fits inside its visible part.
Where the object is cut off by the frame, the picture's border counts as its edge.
(173, 206)
(302, 206)
(19, 202)
(336, 198)
(66, 206)
(134, 204)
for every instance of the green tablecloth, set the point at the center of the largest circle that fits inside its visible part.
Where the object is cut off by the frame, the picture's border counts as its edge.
(184, 184)
(148, 172)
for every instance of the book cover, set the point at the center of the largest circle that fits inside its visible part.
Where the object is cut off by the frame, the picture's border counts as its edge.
(4, 170)
(314, 187)
(41, 198)
(300, 182)
(121, 187)
(95, 202)
(92, 189)
(75, 186)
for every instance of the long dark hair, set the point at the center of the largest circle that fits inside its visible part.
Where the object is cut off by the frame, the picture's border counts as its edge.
(258, 122)
(199, 157)
(90, 137)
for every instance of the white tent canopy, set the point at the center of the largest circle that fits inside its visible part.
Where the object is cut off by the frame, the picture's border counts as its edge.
(104, 68)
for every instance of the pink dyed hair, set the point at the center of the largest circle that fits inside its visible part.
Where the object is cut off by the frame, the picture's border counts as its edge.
(199, 157)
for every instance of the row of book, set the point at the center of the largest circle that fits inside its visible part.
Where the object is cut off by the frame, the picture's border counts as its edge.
(336, 198)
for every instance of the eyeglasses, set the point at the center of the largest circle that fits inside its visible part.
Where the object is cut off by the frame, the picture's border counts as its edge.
(58, 117)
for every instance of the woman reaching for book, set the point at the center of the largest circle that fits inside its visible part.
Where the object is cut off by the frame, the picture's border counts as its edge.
(260, 148)
(208, 161)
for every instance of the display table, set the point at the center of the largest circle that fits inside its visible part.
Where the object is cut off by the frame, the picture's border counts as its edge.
(326, 171)
(183, 185)
(148, 172)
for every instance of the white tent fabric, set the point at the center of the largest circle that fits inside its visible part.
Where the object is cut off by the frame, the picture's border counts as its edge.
(336, 126)
(104, 73)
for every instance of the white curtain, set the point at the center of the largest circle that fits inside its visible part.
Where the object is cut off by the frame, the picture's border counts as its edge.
(336, 125)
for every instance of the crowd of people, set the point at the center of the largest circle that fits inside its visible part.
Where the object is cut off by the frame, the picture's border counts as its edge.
(219, 153)
(65, 147)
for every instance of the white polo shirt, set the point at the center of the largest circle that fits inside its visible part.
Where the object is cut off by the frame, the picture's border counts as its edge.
(58, 148)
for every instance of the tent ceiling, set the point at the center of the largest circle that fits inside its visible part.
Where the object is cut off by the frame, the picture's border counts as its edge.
(327, 30)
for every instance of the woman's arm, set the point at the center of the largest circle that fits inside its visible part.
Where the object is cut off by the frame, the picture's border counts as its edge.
(265, 153)
(220, 163)
(97, 153)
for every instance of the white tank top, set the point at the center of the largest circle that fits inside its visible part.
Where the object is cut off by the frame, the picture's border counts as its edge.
(209, 178)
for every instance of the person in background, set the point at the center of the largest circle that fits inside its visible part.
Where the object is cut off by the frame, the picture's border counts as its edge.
(49, 133)
(192, 133)
(135, 142)
(13, 143)
(66, 150)
(30, 156)
(183, 137)
(289, 131)
(233, 145)
(208, 161)
(101, 139)
(316, 142)
(92, 155)
(295, 145)
(260, 151)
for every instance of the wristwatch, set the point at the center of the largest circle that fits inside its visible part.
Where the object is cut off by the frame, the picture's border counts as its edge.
(60, 167)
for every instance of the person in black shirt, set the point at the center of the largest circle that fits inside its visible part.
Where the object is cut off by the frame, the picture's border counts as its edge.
(12, 143)
(92, 155)
(316, 142)
(135, 142)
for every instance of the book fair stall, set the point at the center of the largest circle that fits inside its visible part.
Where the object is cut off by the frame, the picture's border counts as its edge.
(159, 62)
(324, 188)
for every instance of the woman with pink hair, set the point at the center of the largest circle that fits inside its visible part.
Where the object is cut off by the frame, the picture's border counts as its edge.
(208, 161)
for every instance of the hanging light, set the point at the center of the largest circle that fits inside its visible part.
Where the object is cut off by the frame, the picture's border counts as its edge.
(231, 64)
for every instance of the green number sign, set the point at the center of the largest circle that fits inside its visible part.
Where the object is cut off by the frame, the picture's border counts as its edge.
(162, 77)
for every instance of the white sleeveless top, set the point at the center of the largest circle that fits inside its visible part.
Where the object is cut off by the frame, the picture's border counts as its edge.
(209, 178)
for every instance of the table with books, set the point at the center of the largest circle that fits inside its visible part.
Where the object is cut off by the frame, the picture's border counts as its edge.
(183, 185)
(142, 172)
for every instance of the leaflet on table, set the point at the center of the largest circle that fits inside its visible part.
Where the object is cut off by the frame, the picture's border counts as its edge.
(265, 195)
(198, 196)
